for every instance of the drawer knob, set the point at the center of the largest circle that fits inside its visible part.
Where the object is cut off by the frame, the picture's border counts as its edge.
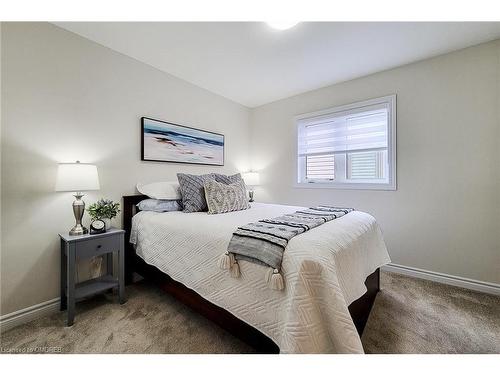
(98, 246)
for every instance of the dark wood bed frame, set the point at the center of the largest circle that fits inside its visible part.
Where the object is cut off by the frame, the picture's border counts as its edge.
(359, 309)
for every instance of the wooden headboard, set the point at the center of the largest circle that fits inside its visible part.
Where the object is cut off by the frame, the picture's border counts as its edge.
(129, 210)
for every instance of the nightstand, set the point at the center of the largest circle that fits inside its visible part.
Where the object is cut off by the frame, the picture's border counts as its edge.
(84, 247)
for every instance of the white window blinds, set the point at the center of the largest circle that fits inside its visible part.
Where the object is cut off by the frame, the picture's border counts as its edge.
(349, 146)
(341, 133)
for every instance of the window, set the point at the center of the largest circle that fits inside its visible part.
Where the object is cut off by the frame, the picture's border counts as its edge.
(320, 167)
(352, 146)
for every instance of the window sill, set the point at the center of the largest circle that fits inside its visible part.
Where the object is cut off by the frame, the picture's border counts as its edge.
(345, 186)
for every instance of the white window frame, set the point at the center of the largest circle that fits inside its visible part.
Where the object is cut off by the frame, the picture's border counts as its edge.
(390, 101)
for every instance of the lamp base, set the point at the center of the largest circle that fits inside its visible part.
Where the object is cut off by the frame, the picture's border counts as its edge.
(78, 211)
(78, 230)
(250, 195)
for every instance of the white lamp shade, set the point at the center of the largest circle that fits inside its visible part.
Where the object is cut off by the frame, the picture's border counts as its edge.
(251, 178)
(77, 177)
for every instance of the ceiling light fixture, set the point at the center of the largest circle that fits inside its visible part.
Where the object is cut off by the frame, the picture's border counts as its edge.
(282, 25)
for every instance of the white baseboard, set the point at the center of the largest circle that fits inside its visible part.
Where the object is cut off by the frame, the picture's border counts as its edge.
(28, 314)
(462, 282)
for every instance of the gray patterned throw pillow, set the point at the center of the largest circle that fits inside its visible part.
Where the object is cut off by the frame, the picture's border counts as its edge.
(227, 179)
(193, 192)
(225, 198)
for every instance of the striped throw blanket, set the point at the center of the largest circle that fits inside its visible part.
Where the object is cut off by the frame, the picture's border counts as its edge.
(265, 241)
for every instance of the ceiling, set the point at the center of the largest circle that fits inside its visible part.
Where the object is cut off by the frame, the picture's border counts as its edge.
(252, 64)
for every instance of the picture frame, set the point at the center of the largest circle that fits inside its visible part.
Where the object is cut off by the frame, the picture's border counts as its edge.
(163, 141)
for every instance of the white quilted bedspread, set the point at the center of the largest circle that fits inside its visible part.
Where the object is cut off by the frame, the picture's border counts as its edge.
(324, 271)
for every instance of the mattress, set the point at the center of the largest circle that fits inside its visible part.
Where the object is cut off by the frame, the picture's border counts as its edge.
(324, 271)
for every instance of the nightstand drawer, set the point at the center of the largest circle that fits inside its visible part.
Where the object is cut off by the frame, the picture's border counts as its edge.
(97, 246)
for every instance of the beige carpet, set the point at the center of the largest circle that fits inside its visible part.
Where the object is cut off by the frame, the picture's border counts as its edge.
(409, 316)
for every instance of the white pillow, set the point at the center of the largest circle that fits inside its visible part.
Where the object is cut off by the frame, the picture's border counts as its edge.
(161, 190)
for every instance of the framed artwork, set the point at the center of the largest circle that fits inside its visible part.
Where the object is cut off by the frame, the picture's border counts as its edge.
(168, 142)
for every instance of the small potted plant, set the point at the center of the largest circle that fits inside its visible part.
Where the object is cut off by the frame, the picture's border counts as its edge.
(105, 210)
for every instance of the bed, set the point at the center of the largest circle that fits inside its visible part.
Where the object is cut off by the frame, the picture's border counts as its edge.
(328, 292)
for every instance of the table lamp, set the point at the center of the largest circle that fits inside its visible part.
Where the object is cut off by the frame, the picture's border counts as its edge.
(77, 177)
(251, 179)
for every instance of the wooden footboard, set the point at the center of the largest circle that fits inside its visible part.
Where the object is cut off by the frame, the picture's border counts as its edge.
(359, 309)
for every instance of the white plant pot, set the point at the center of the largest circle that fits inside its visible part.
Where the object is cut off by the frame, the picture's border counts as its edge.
(107, 222)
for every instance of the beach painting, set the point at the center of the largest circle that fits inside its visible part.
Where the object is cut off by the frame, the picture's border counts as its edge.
(164, 141)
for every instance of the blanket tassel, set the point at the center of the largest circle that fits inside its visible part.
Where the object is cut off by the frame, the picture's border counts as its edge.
(235, 270)
(226, 261)
(275, 279)
(269, 274)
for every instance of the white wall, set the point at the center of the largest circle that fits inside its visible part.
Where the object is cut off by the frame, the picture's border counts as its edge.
(66, 98)
(445, 214)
